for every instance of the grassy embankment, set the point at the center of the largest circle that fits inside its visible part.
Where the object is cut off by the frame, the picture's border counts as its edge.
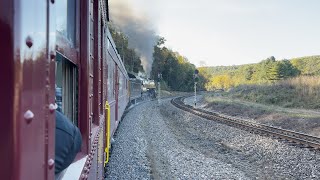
(288, 96)
(299, 92)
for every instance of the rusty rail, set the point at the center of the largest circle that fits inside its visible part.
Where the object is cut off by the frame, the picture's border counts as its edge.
(293, 137)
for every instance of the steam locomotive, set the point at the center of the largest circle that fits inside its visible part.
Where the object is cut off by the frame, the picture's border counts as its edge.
(58, 47)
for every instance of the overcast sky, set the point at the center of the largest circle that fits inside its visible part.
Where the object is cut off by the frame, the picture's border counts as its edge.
(231, 32)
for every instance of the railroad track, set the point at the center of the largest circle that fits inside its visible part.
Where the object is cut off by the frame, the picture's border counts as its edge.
(294, 138)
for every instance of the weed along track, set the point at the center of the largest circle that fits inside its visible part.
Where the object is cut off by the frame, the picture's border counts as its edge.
(294, 138)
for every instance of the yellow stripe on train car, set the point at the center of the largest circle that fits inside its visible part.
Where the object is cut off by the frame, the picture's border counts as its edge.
(106, 150)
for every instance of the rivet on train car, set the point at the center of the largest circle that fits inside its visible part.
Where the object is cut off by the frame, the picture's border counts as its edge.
(52, 55)
(52, 1)
(87, 163)
(50, 163)
(28, 116)
(29, 41)
(82, 176)
(85, 169)
(53, 107)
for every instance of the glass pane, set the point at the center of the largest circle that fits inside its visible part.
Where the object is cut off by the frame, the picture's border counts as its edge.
(66, 19)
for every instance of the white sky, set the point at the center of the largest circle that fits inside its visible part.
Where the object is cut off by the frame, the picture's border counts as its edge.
(231, 32)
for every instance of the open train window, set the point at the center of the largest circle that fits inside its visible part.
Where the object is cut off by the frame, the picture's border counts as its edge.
(67, 88)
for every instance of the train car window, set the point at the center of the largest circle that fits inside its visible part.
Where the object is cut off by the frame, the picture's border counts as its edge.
(120, 83)
(110, 82)
(126, 84)
(66, 19)
(67, 88)
(123, 85)
(115, 82)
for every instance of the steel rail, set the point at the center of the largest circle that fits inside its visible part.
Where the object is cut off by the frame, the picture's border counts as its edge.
(293, 137)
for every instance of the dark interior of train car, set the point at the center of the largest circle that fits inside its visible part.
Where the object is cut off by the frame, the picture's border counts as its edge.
(67, 88)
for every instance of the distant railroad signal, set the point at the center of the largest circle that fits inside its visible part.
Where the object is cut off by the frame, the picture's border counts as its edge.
(196, 79)
(159, 84)
(196, 75)
(159, 76)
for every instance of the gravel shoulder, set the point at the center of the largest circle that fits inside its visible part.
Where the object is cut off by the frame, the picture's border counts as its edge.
(159, 141)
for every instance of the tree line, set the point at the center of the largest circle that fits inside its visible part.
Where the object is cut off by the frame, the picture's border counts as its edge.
(268, 71)
(177, 73)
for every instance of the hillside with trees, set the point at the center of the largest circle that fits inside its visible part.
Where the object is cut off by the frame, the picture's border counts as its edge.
(307, 65)
(267, 71)
(287, 83)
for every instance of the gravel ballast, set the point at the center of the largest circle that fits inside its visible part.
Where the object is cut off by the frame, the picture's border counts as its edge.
(159, 141)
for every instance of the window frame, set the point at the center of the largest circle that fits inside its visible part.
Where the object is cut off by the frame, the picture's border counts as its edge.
(72, 50)
(69, 50)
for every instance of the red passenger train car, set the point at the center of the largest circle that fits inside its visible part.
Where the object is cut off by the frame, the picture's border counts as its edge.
(65, 47)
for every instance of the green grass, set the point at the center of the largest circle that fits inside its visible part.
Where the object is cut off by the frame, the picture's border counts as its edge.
(301, 92)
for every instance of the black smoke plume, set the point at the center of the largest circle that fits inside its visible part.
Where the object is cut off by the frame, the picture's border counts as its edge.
(137, 26)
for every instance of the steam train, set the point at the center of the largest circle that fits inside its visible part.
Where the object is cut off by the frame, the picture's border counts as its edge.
(58, 47)
(140, 86)
(135, 88)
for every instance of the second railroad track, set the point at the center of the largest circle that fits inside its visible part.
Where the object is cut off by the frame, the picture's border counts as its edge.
(296, 138)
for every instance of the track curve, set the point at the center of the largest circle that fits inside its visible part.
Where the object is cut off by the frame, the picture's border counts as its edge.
(303, 140)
